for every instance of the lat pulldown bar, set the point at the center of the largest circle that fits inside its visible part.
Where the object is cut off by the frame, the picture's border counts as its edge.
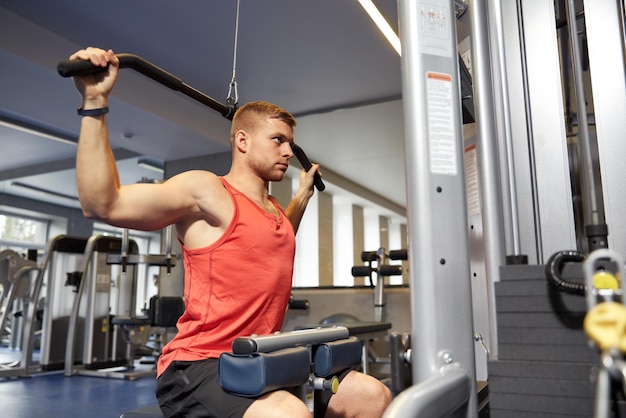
(72, 68)
(77, 67)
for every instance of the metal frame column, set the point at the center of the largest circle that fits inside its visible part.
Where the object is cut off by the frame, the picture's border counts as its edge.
(441, 307)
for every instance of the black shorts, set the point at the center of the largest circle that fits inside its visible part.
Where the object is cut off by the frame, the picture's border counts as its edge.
(191, 389)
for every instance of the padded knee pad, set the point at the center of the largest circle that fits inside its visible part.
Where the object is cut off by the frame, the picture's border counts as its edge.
(334, 356)
(252, 375)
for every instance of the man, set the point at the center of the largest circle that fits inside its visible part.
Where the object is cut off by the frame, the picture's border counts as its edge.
(238, 252)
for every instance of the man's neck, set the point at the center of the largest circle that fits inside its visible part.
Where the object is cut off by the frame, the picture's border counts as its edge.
(253, 187)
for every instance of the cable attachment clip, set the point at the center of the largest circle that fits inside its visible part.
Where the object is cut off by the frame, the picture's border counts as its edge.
(233, 96)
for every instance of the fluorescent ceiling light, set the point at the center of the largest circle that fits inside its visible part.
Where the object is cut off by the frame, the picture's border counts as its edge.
(382, 24)
(36, 131)
(151, 165)
(43, 191)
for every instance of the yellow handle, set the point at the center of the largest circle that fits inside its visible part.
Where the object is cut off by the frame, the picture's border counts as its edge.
(605, 280)
(605, 325)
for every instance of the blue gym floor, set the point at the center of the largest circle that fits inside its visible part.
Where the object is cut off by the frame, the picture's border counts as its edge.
(54, 395)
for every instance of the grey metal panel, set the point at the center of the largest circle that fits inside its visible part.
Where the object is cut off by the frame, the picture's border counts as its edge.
(548, 127)
(519, 135)
(547, 130)
(605, 40)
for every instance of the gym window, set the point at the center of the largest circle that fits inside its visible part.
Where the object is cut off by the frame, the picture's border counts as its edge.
(21, 233)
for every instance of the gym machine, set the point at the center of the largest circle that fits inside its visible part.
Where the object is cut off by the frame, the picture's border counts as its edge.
(104, 330)
(376, 262)
(18, 308)
(91, 337)
(64, 257)
(45, 303)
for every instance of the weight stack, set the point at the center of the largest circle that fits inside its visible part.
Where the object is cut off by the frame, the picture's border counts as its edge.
(545, 366)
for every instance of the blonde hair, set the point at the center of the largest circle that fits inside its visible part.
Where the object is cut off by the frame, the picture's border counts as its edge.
(248, 115)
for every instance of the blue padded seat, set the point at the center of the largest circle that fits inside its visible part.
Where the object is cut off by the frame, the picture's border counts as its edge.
(254, 374)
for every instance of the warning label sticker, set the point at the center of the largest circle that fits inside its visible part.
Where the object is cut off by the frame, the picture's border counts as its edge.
(443, 158)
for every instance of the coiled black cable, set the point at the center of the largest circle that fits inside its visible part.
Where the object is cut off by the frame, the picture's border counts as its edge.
(554, 268)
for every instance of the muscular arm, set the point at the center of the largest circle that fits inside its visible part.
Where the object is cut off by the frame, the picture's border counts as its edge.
(183, 198)
(97, 177)
(297, 206)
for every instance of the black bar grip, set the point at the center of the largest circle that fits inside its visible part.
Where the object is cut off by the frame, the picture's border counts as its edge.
(389, 270)
(398, 255)
(71, 68)
(369, 256)
(361, 271)
(299, 304)
(306, 164)
(78, 67)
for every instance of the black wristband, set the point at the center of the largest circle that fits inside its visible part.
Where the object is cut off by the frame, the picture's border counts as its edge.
(92, 112)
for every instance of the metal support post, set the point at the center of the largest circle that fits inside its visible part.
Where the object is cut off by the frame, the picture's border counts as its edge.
(487, 149)
(441, 306)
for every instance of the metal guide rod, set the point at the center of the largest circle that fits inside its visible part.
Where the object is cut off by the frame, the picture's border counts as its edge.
(581, 112)
(442, 332)
(491, 196)
(501, 76)
(529, 132)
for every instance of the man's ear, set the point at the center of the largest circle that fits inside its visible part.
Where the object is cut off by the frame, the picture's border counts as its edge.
(241, 141)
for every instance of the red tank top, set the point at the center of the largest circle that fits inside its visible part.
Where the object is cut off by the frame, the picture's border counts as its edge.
(237, 286)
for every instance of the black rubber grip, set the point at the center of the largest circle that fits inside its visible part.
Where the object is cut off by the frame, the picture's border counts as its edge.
(369, 256)
(361, 271)
(389, 270)
(299, 304)
(398, 255)
(306, 164)
(78, 67)
(71, 68)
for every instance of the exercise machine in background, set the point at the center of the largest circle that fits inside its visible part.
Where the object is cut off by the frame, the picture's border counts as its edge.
(18, 306)
(38, 303)
(105, 332)
(376, 263)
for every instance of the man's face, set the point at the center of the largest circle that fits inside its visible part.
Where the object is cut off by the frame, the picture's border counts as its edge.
(270, 148)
